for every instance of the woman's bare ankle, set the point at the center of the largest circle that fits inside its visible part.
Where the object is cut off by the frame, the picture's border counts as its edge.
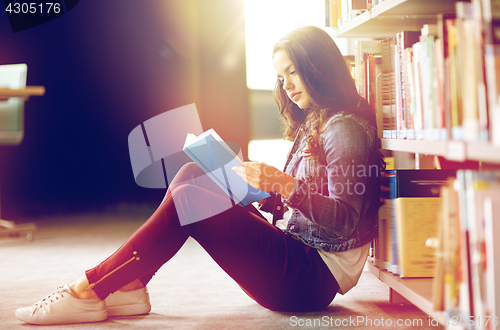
(80, 291)
(134, 285)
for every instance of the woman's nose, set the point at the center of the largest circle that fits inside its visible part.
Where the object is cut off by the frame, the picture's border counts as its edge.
(287, 84)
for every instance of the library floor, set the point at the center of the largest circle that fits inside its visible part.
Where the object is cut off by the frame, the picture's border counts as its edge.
(190, 292)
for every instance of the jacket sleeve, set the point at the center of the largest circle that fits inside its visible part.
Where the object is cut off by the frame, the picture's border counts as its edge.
(347, 151)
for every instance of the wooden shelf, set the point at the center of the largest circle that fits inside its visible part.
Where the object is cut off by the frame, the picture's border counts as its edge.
(392, 16)
(418, 291)
(483, 151)
(437, 148)
(452, 150)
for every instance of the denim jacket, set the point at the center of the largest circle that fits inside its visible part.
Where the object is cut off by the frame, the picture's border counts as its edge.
(335, 198)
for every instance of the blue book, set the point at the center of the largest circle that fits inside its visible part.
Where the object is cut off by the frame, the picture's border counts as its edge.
(394, 266)
(216, 159)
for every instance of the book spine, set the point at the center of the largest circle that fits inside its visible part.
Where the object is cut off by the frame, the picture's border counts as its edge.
(491, 21)
(417, 116)
(389, 91)
(461, 8)
(409, 92)
(425, 86)
(451, 244)
(398, 81)
(394, 266)
(431, 112)
(465, 295)
(439, 89)
(455, 93)
(492, 247)
(482, 98)
(468, 73)
(333, 10)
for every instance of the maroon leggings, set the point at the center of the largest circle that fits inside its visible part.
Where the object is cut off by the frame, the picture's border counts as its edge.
(277, 271)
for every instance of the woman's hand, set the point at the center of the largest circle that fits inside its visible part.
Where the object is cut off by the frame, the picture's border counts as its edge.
(265, 177)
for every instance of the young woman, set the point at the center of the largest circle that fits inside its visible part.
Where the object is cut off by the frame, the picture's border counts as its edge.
(330, 189)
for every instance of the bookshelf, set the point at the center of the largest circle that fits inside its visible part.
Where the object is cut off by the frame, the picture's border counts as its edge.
(452, 150)
(390, 16)
(385, 20)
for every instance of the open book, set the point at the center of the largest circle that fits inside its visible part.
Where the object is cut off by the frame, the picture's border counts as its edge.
(216, 159)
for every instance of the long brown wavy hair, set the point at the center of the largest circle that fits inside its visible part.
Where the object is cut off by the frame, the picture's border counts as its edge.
(326, 76)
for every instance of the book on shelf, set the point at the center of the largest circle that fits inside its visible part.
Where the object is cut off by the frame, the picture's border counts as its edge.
(388, 93)
(446, 282)
(372, 71)
(443, 105)
(382, 256)
(416, 222)
(455, 98)
(214, 156)
(479, 185)
(438, 276)
(492, 248)
(404, 41)
(417, 208)
(417, 117)
(363, 49)
(465, 288)
(411, 192)
(444, 85)
(469, 231)
(333, 11)
(432, 126)
(470, 57)
(484, 132)
(491, 19)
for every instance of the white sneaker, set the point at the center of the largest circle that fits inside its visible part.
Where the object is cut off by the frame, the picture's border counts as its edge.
(61, 307)
(133, 302)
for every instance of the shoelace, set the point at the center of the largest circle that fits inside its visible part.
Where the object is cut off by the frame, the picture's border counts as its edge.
(59, 293)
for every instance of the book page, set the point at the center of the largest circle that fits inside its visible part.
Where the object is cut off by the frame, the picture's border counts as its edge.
(191, 138)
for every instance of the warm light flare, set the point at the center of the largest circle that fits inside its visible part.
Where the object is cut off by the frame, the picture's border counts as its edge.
(266, 21)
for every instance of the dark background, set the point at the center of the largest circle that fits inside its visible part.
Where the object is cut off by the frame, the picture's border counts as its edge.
(107, 66)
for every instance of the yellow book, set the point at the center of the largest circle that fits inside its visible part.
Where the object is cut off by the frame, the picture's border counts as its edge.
(333, 13)
(417, 220)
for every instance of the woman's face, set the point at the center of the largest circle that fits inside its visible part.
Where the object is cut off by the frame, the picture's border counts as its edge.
(291, 81)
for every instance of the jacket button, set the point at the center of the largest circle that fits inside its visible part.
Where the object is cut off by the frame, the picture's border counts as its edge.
(278, 208)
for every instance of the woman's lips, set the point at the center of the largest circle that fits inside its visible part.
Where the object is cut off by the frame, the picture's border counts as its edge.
(295, 96)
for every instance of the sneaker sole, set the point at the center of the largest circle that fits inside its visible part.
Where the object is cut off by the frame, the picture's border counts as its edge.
(127, 310)
(61, 319)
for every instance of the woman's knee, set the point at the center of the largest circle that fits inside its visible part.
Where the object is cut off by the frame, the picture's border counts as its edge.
(190, 170)
(187, 174)
(194, 203)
